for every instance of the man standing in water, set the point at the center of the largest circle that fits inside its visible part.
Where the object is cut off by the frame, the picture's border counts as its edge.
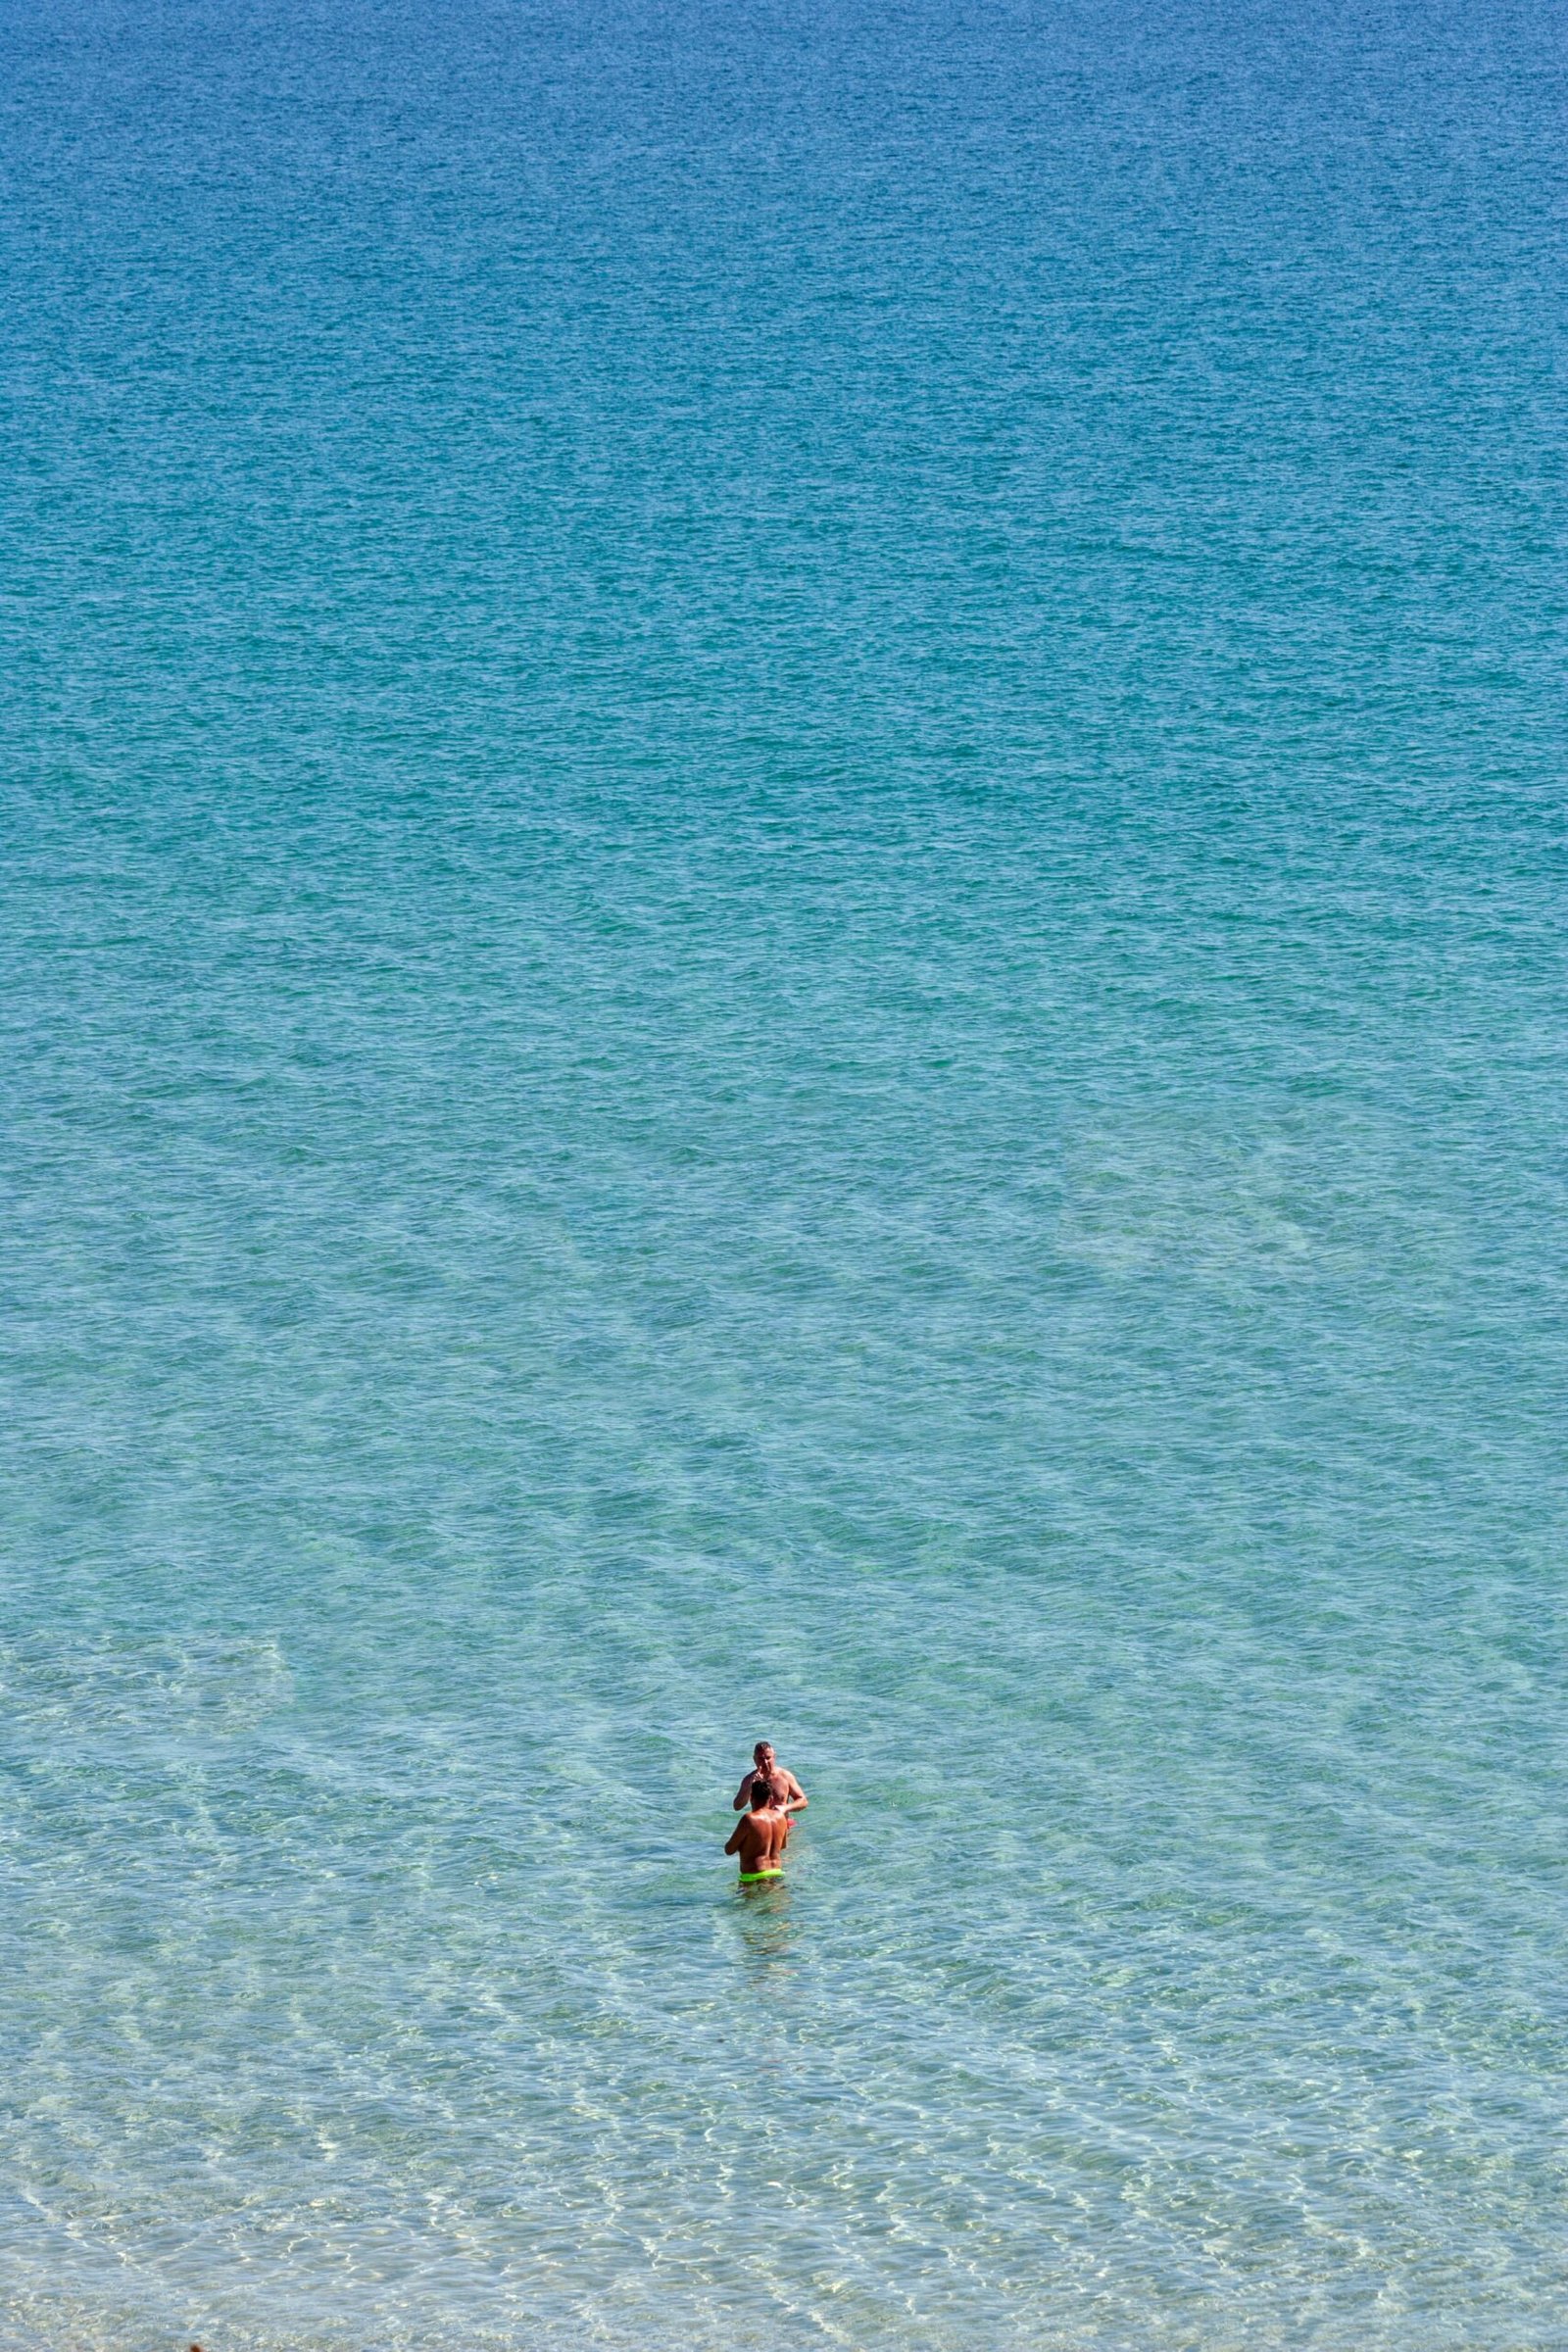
(766, 1766)
(760, 1838)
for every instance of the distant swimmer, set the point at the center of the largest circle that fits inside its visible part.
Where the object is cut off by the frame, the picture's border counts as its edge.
(767, 1764)
(760, 1838)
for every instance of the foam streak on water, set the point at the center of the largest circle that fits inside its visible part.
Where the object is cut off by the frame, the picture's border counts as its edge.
(782, 953)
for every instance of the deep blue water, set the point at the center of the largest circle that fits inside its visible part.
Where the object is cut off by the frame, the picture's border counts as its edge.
(783, 953)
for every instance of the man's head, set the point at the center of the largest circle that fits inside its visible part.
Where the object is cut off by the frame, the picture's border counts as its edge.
(762, 1755)
(765, 1792)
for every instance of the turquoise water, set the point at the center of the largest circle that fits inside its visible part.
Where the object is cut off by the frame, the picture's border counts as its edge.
(783, 955)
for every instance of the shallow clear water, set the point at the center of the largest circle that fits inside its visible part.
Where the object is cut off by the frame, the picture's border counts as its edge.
(783, 954)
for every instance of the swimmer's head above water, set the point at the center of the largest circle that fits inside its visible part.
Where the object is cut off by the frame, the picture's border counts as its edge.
(765, 1766)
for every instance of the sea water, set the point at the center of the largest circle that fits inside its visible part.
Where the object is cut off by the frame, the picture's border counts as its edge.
(783, 956)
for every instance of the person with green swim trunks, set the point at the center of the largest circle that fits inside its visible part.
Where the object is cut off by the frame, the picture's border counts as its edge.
(759, 1837)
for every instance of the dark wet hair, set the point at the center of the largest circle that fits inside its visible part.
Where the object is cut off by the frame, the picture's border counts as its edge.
(765, 1792)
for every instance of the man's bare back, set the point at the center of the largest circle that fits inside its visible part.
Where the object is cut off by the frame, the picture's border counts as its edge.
(761, 1837)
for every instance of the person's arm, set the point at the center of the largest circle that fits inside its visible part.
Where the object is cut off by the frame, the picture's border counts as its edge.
(734, 1845)
(796, 1801)
(743, 1794)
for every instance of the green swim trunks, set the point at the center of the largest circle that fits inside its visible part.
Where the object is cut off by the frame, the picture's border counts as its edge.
(751, 1878)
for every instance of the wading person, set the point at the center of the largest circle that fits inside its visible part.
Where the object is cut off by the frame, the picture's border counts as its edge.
(761, 1835)
(763, 1761)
